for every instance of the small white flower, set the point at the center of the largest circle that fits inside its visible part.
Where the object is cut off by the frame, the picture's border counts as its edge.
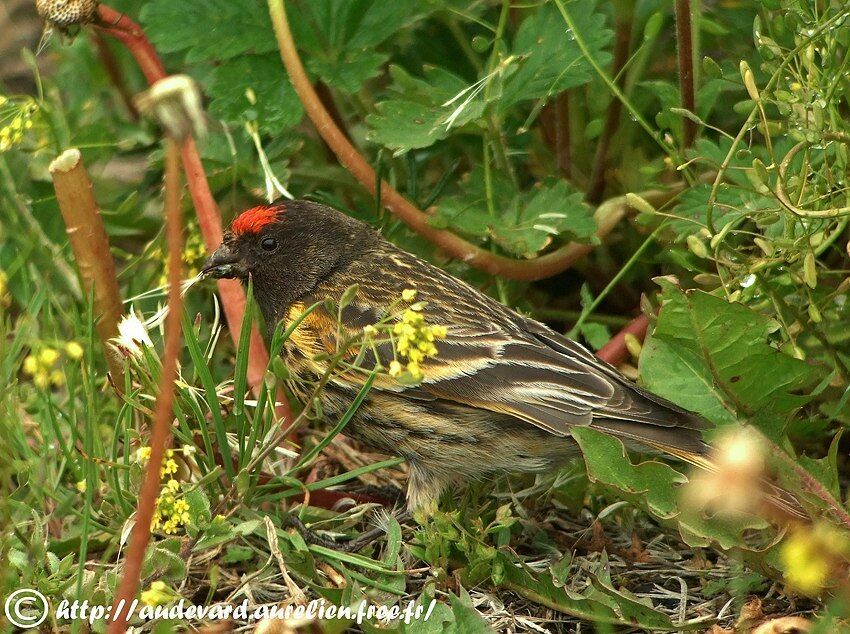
(132, 335)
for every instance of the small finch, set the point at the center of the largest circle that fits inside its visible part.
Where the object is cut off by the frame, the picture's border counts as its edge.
(489, 391)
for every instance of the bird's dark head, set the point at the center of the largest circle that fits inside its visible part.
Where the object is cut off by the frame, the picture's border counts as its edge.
(286, 249)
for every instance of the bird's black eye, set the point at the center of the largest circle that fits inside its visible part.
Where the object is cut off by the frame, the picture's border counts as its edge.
(268, 243)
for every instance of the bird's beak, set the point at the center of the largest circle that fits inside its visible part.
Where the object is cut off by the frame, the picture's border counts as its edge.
(224, 263)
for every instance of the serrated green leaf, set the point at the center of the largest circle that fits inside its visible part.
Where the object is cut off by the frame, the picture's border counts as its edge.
(600, 603)
(547, 212)
(550, 60)
(277, 106)
(340, 37)
(656, 487)
(217, 30)
(656, 483)
(163, 563)
(712, 357)
(416, 116)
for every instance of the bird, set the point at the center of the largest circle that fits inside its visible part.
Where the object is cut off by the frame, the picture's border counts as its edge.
(496, 391)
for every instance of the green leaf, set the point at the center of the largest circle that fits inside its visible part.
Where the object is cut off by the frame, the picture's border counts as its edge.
(550, 58)
(525, 223)
(277, 106)
(163, 563)
(209, 29)
(712, 357)
(339, 37)
(657, 484)
(656, 487)
(416, 117)
(600, 603)
(548, 212)
(596, 335)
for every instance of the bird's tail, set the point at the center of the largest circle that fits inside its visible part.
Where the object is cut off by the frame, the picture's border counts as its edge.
(687, 445)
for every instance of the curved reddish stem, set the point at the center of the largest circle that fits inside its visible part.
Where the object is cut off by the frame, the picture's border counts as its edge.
(608, 215)
(161, 425)
(615, 351)
(125, 30)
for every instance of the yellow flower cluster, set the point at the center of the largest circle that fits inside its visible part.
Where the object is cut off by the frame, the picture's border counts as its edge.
(810, 556)
(42, 366)
(15, 117)
(415, 339)
(194, 254)
(171, 511)
(5, 297)
(157, 594)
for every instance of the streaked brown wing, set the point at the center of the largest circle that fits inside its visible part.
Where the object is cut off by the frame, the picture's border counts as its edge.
(498, 360)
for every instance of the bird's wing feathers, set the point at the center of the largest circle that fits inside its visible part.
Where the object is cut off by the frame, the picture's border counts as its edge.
(497, 360)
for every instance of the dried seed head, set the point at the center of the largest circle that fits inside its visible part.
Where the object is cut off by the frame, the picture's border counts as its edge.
(175, 102)
(64, 13)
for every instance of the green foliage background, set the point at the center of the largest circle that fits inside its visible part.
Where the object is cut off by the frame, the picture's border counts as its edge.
(490, 115)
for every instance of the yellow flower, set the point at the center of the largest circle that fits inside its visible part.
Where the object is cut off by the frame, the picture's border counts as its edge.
(143, 454)
(157, 594)
(169, 466)
(408, 294)
(415, 340)
(30, 365)
(5, 298)
(805, 563)
(74, 350)
(81, 486)
(41, 379)
(57, 378)
(48, 357)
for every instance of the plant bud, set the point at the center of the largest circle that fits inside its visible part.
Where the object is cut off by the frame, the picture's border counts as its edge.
(814, 314)
(633, 345)
(640, 203)
(697, 246)
(765, 245)
(810, 272)
(749, 81)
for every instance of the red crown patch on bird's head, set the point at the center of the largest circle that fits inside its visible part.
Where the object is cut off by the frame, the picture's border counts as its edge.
(253, 220)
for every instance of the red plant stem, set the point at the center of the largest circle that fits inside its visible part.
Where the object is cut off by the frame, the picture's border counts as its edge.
(615, 351)
(533, 269)
(232, 295)
(685, 47)
(161, 426)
